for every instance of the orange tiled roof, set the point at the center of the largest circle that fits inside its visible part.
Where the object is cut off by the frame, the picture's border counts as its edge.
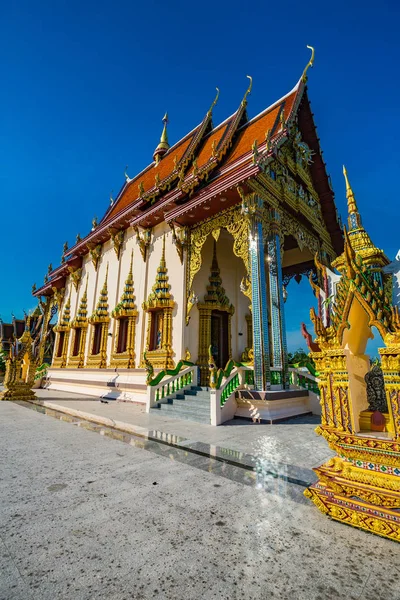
(163, 169)
(257, 129)
(206, 152)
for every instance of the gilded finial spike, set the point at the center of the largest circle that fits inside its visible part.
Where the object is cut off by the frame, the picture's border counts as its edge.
(131, 265)
(309, 64)
(214, 103)
(248, 91)
(354, 217)
(163, 146)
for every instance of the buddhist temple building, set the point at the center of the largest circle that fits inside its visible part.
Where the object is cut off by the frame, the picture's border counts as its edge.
(192, 257)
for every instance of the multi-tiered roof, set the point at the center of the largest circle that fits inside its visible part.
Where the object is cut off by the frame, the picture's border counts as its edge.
(197, 176)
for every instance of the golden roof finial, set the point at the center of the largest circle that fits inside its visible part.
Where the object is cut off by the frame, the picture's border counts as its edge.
(309, 64)
(353, 214)
(214, 103)
(248, 91)
(163, 146)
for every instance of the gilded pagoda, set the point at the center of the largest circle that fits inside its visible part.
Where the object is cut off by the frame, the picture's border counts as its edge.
(195, 252)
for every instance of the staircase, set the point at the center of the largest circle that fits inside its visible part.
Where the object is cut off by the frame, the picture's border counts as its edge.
(192, 404)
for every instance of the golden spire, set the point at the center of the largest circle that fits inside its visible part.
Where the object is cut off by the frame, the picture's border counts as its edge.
(351, 202)
(160, 293)
(64, 322)
(309, 64)
(357, 240)
(101, 311)
(81, 317)
(215, 292)
(126, 306)
(163, 146)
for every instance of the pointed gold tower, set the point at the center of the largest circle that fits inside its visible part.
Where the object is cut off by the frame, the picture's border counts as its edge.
(126, 314)
(159, 306)
(163, 146)
(359, 239)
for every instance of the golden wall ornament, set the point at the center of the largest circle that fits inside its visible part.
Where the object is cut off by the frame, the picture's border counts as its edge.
(143, 239)
(117, 238)
(159, 306)
(95, 254)
(361, 485)
(125, 314)
(180, 239)
(76, 276)
(99, 320)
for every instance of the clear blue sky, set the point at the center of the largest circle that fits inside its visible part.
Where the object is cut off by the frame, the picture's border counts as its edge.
(85, 85)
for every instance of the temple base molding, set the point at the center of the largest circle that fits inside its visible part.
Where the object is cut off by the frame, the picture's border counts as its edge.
(272, 406)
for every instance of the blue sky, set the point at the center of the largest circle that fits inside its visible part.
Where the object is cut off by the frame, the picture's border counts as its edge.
(85, 85)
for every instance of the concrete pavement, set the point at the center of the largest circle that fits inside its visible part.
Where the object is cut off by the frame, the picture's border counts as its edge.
(83, 517)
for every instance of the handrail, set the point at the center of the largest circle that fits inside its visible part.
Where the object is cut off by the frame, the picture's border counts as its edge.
(308, 365)
(230, 365)
(171, 372)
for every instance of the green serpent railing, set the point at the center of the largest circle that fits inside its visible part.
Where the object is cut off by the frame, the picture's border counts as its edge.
(174, 385)
(171, 372)
(230, 387)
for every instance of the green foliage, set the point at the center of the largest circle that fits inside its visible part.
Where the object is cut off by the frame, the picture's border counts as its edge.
(299, 355)
(3, 357)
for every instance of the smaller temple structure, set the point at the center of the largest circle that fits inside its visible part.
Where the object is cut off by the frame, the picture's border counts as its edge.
(360, 402)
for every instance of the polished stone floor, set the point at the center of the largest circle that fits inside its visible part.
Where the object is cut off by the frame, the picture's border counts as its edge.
(86, 516)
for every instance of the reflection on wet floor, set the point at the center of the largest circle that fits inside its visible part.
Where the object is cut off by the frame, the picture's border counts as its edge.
(264, 474)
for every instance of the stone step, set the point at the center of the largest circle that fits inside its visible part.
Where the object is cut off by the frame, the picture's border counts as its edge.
(186, 417)
(183, 408)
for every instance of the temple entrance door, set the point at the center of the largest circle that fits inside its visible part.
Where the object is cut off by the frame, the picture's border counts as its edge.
(219, 337)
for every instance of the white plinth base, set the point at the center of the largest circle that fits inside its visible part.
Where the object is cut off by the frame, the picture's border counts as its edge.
(272, 410)
(124, 384)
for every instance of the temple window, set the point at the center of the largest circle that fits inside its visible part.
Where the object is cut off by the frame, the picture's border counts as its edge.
(122, 334)
(97, 338)
(159, 306)
(60, 343)
(125, 314)
(77, 342)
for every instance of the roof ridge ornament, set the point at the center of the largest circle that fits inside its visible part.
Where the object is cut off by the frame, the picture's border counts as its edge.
(248, 91)
(163, 146)
(213, 103)
(309, 64)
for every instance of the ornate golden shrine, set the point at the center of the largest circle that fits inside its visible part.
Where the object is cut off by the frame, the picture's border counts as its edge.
(159, 306)
(99, 320)
(79, 326)
(125, 314)
(214, 300)
(62, 330)
(361, 485)
(20, 369)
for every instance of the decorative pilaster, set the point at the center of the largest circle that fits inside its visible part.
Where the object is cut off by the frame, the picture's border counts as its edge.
(276, 301)
(252, 208)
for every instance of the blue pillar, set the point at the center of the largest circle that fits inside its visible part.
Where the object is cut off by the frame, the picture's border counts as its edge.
(262, 377)
(276, 302)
